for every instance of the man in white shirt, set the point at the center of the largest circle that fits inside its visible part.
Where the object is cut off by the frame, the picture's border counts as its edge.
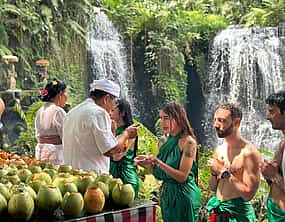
(88, 141)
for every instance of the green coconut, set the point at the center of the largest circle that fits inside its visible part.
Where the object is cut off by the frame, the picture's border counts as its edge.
(113, 182)
(49, 198)
(72, 204)
(83, 183)
(3, 204)
(123, 194)
(23, 174)
(17, 188)
(4, 190)
(36, 184)
(69, 187)
(21, 206)
(64, 169)
(76, 171)
(3, 172)
(104, 177)
(61, 179)
(13, 178)
(51, 172)
(102, 186)
(35, 168)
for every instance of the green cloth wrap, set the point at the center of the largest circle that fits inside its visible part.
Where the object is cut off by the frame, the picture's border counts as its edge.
(179, 202)
(241, 210)
(274, 213)
(125, 168)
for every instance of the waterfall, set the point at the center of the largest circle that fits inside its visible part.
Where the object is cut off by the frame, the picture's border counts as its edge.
(107, 57)
(245, 67)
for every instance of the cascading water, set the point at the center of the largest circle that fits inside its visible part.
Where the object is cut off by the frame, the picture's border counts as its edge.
(107, 53)
(246, 66)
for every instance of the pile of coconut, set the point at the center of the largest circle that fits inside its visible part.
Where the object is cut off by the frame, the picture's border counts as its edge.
(27, 185)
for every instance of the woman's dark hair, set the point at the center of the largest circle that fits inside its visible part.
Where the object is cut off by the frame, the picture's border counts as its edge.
(52, 89)
(177, 112)
(125, 111)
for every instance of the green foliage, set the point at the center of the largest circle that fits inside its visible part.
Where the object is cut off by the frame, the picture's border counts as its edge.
(251, 12)
(27, 138)
(36, 29)
(73, 77)
(203, 182)
(148, 142)
(17, 107)
(269, 13)
(167, 30)
(149, 185)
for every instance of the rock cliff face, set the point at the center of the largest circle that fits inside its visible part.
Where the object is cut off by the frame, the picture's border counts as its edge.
(3, 76)
(11, 119)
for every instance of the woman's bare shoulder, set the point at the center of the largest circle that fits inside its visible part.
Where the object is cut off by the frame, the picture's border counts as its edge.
(187, 141)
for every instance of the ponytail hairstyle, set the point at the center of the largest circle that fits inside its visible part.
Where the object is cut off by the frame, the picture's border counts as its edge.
(52, 89)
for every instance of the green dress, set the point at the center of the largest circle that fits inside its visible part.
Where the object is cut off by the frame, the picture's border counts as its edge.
(274, 213)
(125, 168)
(180, 202)
(240, 210)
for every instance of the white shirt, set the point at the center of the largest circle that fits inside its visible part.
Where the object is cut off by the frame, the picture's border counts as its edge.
(87, 135)
(49, 120)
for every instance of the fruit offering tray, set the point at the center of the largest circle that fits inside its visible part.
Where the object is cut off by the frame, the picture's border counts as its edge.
(138, 210)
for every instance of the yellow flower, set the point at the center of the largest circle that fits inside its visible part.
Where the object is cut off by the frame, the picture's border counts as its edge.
(54, 83)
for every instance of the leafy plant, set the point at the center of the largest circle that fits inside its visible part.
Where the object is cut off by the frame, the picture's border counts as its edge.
(27, 139)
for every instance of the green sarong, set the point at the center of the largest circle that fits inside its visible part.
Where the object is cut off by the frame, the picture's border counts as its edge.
(273, 211)
(124, 168)
(179, 202)
(239, 210)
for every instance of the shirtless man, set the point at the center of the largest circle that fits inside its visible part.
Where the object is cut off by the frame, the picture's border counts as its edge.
(235, 172)
(273, 171)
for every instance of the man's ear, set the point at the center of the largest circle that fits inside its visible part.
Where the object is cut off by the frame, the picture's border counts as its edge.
(105, 99)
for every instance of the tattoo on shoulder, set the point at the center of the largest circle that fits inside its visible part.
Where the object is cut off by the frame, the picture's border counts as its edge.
(189, 150)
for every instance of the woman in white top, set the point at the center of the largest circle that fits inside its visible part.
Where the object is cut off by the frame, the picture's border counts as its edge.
(49, 122)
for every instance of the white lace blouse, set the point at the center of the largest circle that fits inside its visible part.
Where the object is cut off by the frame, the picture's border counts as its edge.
(49, 120)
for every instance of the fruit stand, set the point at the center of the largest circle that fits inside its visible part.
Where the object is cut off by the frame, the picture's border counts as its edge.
(139, 211)
(35, 191)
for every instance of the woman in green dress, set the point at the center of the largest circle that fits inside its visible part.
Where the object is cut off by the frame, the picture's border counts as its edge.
(176, 166)
(122, 164)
